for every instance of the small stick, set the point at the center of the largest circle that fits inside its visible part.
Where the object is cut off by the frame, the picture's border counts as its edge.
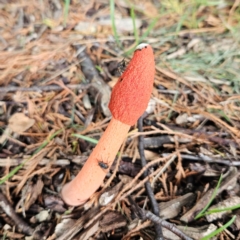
(20, 224)
(157, 220)
(208, 159)
(155, 207)
(43, 88)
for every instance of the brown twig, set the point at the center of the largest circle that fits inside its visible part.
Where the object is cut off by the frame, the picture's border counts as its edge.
(216, 137)
(208, 159)
(155, 207)
(46, 88)
(20, 224)
(157, 220)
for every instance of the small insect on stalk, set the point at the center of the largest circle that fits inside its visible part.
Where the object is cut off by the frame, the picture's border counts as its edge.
(102, 164)
(122, 66)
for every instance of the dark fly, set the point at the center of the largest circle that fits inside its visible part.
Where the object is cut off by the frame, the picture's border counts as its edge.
(103, 165)
(122, 66)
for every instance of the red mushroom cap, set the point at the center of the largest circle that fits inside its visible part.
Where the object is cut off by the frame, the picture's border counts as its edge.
(132, 92)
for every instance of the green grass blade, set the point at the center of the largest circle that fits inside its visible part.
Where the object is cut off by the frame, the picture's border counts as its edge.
(135, 30)
(66, 9)
(112, 13)
(91, 140)
(45, 143)
(216, 210)
(142, 38)
(15, 170)
(217, 231)
(149, 29)
(211, 199)
(4, 236)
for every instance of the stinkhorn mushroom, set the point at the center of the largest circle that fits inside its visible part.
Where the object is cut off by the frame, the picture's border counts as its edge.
(129, 100)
